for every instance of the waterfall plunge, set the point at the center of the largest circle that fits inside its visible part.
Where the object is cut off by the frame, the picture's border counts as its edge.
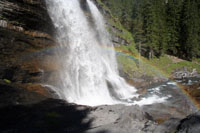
(89, 72)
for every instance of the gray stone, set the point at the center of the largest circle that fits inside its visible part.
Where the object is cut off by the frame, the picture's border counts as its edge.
(190, 124)
(168, 126)
(120, 119)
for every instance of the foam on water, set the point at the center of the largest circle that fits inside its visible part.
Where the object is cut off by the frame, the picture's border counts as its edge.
(89, 74)
(150, 100)
(172, 83)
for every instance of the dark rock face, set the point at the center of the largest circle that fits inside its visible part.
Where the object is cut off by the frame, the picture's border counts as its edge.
(48, 116)
(191, 124)
(192, 90)
(168, 126)
(27, 14)
(26, 36)
(26, 111)
(22, 111)
(12, 95)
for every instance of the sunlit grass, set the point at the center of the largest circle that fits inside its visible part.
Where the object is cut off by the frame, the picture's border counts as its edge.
(166, 64)
(150, 67)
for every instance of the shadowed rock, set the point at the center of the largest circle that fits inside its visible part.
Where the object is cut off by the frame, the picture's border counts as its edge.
(190, 124)
(26, 34)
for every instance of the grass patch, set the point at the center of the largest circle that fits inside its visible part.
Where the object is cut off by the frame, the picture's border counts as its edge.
(197, 60)
(127, 65)
(159, 67)
(133, 67)
(153, 67)
(7, 81)
(129, 49)
(166, 64)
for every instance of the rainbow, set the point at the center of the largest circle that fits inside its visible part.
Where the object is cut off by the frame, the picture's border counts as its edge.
(43, 51)
(161, 72)
(126, 53)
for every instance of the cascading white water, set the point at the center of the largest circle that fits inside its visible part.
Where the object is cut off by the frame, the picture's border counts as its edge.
(89, 72)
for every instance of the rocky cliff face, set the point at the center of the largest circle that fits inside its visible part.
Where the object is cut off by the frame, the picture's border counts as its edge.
(28, 15)
(27, 42)
(27, 59)
(25, 30)
(118, 34)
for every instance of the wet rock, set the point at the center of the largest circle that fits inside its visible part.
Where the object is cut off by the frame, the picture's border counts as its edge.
(120, 119)
(28, 14)
(48, 116)
(40, 89)
(26, 36)
(193, 91)
(24, 110)
(141, 82)
(14, 95)
(162, 112)
(184, 74)
(191, 124)
(168, 126)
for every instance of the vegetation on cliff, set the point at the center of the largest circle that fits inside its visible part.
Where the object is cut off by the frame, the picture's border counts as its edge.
(158, 29)
(161, 27)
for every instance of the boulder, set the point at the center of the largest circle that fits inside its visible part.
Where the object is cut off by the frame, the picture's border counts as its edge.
(184, 74)
(190, 124)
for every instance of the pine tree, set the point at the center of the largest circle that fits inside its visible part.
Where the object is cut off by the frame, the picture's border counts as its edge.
(173, 13)
(189, 29)
(198, 46)
(160, 20)
(154, 27)
(137, 27)
(148, 26)
(161, 26)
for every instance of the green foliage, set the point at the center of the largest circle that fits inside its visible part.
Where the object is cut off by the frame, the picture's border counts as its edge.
(128, 66)
(163, 66)
(190, 30)
(122, 10)
(7, 81)
(137, 68)
(198, 60)
(166, 64)
(130, 48)
(124, 34)
(173, 12)
(115, 22)
(160, 27)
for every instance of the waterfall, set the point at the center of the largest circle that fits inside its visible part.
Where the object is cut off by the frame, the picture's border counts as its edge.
(89, 73)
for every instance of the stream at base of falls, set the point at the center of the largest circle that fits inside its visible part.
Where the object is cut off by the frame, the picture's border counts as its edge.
(88, 73)
(165, 100)
(168, 99)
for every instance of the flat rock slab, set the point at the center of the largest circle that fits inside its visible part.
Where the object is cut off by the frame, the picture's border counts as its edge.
(120, 119)
(24, 111)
